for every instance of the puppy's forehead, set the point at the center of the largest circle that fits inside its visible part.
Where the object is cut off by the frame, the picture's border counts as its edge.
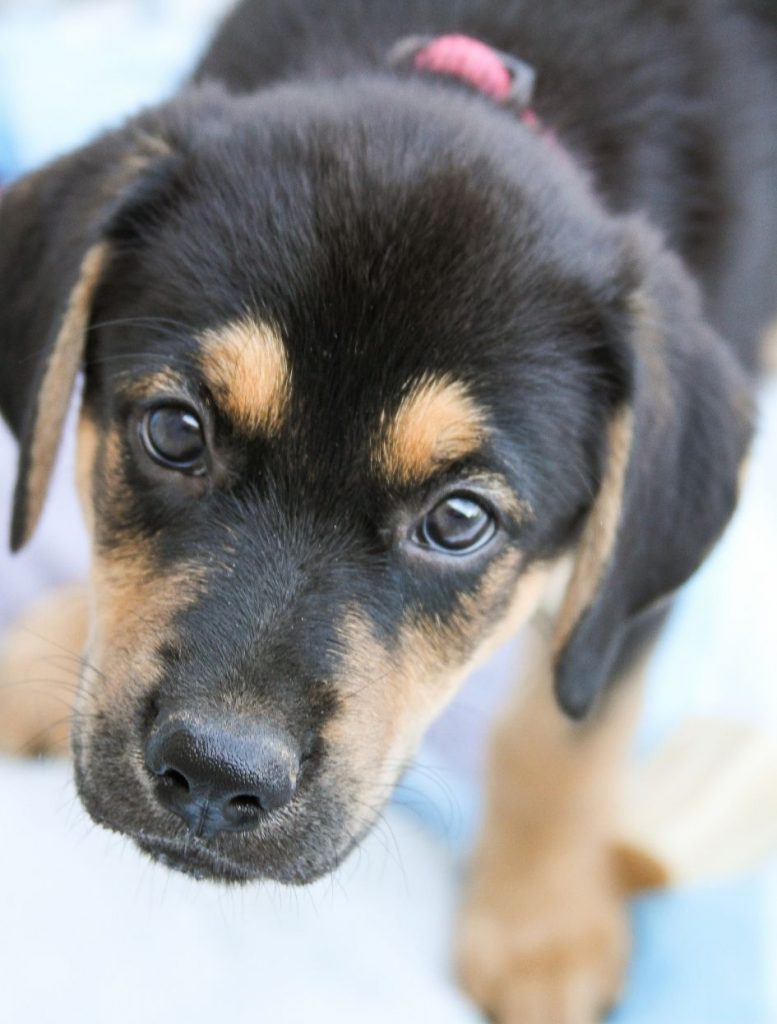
(434, 420)
(371, 292)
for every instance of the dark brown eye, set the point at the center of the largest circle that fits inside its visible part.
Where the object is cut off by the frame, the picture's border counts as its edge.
(173, 436)
(458, 525)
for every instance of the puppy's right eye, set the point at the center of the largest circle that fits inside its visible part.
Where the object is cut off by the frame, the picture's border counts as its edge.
(458, 525)
(173, 435)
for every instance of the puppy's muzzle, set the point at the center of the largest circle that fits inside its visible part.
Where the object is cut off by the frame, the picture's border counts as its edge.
(221, 774)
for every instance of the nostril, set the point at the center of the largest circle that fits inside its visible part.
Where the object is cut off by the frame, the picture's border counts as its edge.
(245, 804)
(175, 780)
(243, 811)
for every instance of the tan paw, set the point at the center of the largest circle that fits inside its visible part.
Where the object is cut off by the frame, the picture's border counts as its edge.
(39, 670)
(555, 958)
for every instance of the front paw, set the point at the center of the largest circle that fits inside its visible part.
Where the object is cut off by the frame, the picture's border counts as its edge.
(40, 665)
(35, 699)
(534, 951)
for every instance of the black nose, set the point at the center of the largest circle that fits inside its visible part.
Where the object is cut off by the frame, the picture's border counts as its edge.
(219, 774)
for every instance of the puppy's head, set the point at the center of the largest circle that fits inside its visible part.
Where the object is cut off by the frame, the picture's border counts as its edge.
(361, 370)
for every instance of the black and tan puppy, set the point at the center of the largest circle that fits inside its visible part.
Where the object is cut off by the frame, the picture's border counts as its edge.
(374, 372)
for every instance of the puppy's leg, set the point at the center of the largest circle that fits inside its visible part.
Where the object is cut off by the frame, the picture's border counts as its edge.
(544, 935)
(39, 669)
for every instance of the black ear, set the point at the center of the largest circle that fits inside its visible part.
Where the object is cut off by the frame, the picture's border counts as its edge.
(674, 452)
(55, 247)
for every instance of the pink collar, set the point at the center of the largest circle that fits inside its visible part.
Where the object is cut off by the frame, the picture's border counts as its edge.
(503, 78)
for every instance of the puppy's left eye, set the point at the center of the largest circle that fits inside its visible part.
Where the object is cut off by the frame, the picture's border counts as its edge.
(174, 437)
(458, 525)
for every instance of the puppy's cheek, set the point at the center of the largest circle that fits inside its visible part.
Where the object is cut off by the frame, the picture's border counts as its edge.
(388, 698)
(133, 604)
(134, 616)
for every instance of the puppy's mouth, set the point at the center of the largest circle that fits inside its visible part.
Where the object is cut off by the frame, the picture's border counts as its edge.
(193, 857)
(225, 800)
(292, 849)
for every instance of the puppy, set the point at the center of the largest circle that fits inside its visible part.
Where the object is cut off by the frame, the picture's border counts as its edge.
(377, 369)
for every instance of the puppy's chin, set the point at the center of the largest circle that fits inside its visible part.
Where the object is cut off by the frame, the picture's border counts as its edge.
(297, 847)
(192, 856)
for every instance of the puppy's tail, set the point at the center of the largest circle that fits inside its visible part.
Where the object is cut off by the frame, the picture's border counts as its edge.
(703, 808)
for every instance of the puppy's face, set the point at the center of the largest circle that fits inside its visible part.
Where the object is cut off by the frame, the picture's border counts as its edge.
(348, 399)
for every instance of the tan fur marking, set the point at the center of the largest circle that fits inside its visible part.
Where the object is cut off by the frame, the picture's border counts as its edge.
(57, 386)
(600, 531)
(87, 446)
(39, 670)
(544, 934)
(526, 599)
(389, 698)
(132, 605)
(132, 609)
(437, 422)
(148, 149)
(247, 369)
(638, 870)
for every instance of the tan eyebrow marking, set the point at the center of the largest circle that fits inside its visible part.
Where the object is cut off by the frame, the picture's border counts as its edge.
(437, 422)
(246, 366)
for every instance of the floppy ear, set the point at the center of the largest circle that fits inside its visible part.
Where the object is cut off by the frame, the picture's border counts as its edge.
(55, 247)
(675, 447)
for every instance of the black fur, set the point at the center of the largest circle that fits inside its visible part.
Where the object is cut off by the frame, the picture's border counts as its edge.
(670, 104)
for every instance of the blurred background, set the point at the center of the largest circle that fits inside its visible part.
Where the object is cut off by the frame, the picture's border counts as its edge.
(91, 932)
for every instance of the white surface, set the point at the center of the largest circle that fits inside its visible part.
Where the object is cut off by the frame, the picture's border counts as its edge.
(55, 61)
(94, 933)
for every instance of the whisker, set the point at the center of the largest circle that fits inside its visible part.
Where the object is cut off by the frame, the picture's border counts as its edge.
(154, 322)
